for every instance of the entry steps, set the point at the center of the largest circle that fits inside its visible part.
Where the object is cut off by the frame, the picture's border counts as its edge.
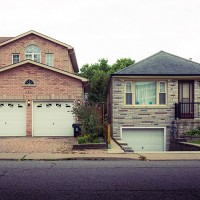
(123, 145)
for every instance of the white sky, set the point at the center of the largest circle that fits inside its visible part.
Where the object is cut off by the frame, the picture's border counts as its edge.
(110, 29)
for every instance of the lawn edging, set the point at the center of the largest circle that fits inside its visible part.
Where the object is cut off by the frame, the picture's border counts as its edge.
(89, 146)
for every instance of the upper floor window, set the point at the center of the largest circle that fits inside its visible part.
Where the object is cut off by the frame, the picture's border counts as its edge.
(49, 59)
(33, 52)
(15, 58)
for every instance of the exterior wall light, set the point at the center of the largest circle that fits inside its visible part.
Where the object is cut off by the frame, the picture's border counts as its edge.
(28, 103)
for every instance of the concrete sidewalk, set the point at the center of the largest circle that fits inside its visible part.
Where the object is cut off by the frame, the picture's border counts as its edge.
(115, 153)
(122, 156)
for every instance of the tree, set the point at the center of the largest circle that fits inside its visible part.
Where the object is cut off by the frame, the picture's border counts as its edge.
(98, 75)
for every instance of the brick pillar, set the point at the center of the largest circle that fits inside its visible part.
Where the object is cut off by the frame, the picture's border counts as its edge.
(29, 105)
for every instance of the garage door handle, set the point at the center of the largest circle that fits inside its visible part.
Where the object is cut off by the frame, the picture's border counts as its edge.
(5, 123)
(53, 123)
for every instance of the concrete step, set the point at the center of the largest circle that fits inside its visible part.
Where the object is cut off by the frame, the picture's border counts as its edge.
(117, 138)
(120, 142)
(126, 147)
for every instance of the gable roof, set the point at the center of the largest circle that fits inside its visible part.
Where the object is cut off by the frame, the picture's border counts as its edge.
(45, 67)
(38, 34)
(3, 39)
(6, 40)
(162, 64)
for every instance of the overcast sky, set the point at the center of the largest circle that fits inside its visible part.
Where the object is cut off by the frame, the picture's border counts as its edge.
(110, 29)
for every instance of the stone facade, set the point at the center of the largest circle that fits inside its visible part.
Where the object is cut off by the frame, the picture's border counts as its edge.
(148, 116)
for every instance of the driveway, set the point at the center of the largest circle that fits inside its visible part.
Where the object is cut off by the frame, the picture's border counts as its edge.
(41, 145)
(37, 144)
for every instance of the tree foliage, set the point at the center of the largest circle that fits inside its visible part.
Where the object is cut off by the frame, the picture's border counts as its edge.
(98, 75)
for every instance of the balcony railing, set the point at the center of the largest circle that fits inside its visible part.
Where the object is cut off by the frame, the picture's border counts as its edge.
(187, 110)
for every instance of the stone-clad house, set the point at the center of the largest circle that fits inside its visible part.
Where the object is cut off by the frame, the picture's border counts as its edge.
(38, 86)
(148, 99)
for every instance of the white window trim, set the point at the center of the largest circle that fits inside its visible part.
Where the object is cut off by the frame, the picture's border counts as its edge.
(32, 54)
(47, 54)
(13, 55)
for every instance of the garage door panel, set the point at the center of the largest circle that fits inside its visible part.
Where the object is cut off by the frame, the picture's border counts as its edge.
(12, 119)
(144, 139)
(53, 119)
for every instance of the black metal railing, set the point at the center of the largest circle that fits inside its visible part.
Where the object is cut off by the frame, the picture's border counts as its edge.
(187, 110)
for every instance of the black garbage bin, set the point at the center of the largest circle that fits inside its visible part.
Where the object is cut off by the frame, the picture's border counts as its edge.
(77, 129)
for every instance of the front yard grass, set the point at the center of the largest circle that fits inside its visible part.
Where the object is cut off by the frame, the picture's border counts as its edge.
(195, 142)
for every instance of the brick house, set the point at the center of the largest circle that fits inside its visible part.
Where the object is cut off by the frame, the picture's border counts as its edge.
(147, 101)
(38, 86)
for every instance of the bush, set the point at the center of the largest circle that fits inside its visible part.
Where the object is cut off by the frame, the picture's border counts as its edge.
(195, 132)
(88, 117)
(88, 138)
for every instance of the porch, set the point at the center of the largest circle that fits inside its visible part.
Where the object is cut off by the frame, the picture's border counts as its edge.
(189, 110)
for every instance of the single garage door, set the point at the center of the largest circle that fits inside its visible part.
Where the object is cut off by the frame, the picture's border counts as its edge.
(12, 119)
(144, 139)
(52, 119)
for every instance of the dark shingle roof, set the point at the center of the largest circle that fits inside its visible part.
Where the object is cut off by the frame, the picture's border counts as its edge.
(162, 63)
(3, 39)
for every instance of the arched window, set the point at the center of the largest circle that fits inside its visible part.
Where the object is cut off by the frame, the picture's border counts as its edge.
(29, 82)
(33, 52)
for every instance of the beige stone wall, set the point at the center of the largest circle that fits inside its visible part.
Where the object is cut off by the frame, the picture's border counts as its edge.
(143, 116)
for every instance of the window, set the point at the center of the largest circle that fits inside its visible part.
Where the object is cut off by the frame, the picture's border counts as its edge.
(162, 93)
(129, 93)
(29, 82)
(49, 59)
(32, 52)
(145, 93)
(15, 58)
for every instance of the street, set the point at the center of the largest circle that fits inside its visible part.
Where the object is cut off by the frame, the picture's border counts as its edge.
(65, 180)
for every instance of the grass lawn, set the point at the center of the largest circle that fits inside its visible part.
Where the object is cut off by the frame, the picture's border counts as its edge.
(196, 142)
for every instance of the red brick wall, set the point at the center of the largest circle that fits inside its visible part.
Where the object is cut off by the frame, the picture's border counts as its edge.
(61, 56)
(49, 85)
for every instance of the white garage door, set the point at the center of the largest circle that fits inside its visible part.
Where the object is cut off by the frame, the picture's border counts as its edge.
(52, 119)
(12, 119)
(144, 139)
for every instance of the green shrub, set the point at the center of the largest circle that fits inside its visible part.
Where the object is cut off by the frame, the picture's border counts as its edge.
(88, 138)
(194, 132)
(88, 117)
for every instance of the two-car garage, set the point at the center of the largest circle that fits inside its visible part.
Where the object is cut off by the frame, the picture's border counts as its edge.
(48, 118)
(144, 139)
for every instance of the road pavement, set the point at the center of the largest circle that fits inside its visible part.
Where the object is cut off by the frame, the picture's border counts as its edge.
(127, 179)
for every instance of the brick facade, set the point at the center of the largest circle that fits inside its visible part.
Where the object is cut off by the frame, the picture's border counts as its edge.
(149, 116)
(49, 84)
(61, 55)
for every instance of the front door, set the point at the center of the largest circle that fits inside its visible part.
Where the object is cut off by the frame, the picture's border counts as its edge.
(186, 99)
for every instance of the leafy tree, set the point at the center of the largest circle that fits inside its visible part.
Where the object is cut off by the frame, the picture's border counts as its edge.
(98, 75)
(121, 64)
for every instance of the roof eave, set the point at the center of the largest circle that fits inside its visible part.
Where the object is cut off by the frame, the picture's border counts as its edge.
(44, 66)
(38, 34)
(73, 60)
(155, 74)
